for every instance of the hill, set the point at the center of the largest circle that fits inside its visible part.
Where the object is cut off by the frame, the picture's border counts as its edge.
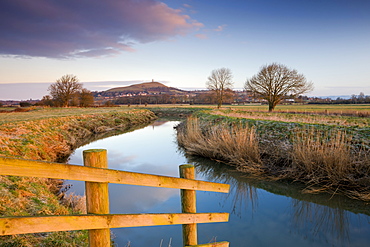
(146, 88)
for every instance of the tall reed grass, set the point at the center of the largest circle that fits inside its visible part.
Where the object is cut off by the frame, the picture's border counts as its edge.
(234, 144)
(323, 159)
(322, 156)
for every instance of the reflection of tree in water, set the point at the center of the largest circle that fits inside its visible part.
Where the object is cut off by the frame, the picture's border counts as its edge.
(333, 221)
(321, 215)
(244, 193)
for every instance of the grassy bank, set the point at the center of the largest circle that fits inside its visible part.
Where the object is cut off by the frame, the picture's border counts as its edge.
(51, 135)
(330, 153)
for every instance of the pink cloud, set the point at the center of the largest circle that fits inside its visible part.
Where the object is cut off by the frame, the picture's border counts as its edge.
(220, 28)
(70, 28)
(201, 36)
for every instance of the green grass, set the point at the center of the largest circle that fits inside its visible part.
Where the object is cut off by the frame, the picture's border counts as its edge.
(308, 118)
(292, 107)
(359, 110)
(308, 108)
(37, 113)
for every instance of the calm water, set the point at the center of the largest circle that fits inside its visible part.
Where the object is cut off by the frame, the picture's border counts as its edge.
(261, 213)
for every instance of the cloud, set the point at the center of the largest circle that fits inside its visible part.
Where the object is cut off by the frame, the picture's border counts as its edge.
(86, 28)
(220, 28)
(189, 8)
(205, 36)
(201, 36)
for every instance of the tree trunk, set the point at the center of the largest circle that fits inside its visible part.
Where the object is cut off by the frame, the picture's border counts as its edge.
(271, 106)
(219, 99)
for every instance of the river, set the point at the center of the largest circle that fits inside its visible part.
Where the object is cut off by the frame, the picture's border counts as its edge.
(261, 213)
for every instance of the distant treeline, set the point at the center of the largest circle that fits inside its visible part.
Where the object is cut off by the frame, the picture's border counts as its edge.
(195, 97)
(206, 97)
(355, 99)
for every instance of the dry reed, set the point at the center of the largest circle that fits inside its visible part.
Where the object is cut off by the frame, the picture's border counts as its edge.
(76, 203)
(323, 159)
(322, 156)
(236, 144)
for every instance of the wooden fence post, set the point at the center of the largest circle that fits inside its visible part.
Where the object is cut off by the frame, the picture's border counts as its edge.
(97, 196)
(188, 205)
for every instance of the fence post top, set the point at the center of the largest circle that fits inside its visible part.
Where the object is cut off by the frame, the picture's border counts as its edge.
(186, 166)
(97, 150)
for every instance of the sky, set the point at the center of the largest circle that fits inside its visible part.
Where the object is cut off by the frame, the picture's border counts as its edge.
(179, 42)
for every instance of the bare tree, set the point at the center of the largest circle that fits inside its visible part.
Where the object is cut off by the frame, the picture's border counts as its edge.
(276, 82)
(219, 81)
(47, 101)
(64, 89)
(86, 98)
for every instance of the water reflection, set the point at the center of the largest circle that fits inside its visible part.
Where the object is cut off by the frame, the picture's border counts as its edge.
(320, 215)
(263, 213)
(99, 136)
(334, 221)
(241, 193)
(146, 150)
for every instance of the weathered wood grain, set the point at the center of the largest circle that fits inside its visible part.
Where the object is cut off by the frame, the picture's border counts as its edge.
(188, 205)
(219, 244)
(31, 168)
(97, 196)
(21, 225)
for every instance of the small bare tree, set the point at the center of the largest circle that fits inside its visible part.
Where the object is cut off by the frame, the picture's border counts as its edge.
(276, 82)
(64, 89)
(86, 98)
(219, 81)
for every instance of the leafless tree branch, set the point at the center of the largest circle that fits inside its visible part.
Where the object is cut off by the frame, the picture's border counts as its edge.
(276, 82)
(219, 81)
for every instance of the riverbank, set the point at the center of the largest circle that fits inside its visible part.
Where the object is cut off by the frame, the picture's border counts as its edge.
(327, 153)
(52, 134)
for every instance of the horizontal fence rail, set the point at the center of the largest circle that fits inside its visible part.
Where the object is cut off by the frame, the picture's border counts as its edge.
(98, 221)
(21, 225)
(41, 169)
(219, 244)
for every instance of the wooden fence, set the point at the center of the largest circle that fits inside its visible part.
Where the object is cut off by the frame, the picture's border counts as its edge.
(98, 221)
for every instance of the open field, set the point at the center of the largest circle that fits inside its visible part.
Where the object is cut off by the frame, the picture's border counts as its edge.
(46, 112)
(315, 108)
(307, 118)
(36, 113)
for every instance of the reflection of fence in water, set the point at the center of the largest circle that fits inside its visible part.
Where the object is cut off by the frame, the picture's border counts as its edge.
(98, 220)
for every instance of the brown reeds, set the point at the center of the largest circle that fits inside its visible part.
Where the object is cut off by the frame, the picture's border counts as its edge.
(325, 160)
(235, 144)
(319, 156)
